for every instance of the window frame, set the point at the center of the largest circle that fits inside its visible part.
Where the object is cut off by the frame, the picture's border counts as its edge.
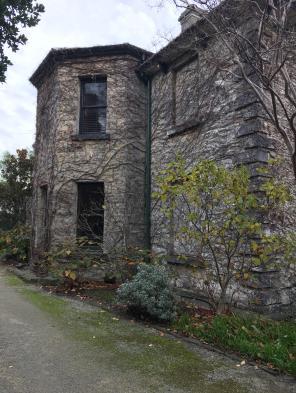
(91, 79)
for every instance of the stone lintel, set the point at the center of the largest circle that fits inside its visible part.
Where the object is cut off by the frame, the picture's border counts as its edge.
(189, 126)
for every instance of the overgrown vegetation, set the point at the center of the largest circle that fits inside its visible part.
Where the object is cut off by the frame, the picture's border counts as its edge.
(267, 341)
(15, 244)
(70, 259)
(219, 219)
(148, 294)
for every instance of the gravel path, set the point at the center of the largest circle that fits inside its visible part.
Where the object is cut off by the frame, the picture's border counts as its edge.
(49, 345)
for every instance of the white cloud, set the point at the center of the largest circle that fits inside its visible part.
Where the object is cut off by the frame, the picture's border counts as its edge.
(72, 23)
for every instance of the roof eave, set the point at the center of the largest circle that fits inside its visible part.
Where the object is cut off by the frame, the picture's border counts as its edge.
(56, 56)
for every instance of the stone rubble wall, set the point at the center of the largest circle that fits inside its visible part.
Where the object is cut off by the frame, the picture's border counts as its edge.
(229, 129)
(62, 161)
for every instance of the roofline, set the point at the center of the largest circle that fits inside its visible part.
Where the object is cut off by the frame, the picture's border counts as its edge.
(59, 55)
(159, 60)
(201, 29)
(174, 48)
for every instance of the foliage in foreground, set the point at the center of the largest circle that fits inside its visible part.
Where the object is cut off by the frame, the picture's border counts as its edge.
(15, 188)
(215, 214)
(15, 244)
(14, 15)
(149, 293)
(268, 341)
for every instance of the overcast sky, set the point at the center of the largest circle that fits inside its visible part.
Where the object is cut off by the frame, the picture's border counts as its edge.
(72, 23)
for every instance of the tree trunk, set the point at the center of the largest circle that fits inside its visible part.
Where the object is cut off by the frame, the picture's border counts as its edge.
(222, 305)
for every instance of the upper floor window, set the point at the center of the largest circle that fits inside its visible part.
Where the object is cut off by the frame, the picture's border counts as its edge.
(186, 93)
(93, 105)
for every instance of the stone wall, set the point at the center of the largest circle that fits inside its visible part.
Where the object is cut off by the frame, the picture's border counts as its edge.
(212, 116)
(63, 159)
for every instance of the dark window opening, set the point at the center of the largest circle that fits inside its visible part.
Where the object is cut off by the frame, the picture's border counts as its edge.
(93, 107)
(44, 219)
(90, 223)
(44, 206)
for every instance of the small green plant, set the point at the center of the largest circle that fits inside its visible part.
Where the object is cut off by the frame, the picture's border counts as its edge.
(148, 294)
(15, 244)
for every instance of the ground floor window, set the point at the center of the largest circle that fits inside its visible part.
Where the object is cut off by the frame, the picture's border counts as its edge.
(44, 218)
(90, 210)
(44, 205)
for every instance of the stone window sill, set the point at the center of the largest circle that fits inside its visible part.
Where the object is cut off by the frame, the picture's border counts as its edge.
(90, 137)
(184, 127)
(185, 261)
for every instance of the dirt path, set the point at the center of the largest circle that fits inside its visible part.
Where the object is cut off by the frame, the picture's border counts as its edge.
(51, 345)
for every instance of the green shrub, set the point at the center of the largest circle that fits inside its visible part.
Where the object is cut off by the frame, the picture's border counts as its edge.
(15, 244)
(148, 293)
(216, 213)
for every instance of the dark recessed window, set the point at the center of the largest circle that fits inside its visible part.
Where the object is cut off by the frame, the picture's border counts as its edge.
(44, 216)
(93, 106)
(90, 216)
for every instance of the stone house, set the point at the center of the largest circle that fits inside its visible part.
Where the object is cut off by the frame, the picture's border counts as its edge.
(109, 119)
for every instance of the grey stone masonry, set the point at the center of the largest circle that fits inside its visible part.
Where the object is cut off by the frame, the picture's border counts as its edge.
(199, 113)
(65, 158)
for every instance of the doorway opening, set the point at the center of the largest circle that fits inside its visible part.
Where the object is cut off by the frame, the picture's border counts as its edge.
(90, 214)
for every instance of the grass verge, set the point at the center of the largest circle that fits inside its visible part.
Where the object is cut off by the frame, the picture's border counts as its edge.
(266, 341)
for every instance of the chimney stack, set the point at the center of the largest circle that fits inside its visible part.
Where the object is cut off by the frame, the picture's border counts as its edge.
(190, 16)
